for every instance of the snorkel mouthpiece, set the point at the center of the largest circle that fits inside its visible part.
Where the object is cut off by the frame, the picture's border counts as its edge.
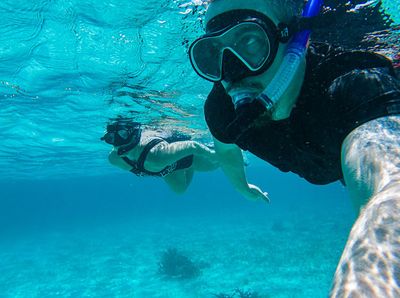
(241, 97)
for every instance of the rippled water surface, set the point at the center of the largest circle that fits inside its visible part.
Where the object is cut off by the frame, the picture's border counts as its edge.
(69, 66)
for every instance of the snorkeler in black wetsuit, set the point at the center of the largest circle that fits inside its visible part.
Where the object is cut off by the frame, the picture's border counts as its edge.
(147, 153)
(316, 110)
(341, 91)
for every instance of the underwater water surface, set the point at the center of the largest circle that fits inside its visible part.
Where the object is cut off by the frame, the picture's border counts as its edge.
(71, 225)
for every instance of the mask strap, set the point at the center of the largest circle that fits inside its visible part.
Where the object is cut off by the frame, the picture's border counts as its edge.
(298, 24)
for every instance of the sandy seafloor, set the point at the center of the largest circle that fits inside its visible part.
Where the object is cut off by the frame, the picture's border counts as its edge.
(103, 237)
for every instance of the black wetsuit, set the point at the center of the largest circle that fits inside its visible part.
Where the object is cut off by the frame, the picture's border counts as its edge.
(138, 166)
(341, 91)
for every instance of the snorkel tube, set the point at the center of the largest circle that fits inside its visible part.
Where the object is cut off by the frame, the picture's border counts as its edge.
(292, 60)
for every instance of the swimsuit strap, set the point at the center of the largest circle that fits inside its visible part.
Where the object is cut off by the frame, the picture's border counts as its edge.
(138, 166)
(146, 150)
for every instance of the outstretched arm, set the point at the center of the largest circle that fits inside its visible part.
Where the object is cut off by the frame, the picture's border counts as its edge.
(231, 161)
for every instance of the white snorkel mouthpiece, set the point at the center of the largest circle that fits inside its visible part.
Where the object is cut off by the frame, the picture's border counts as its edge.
(242, 96)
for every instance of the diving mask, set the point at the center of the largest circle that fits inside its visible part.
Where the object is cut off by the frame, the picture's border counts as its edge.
(120, 134)
(116, 138)
(232, 61)
(252, 39)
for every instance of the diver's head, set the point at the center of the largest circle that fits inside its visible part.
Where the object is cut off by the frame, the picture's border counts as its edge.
(122, 133)
(246, 48)
(244, 38)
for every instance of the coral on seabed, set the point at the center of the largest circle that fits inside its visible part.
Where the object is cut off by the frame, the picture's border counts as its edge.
(174, 264)
(239, 293)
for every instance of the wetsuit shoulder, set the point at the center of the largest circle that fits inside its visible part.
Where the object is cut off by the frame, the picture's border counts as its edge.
(326, 62)
(362, 95)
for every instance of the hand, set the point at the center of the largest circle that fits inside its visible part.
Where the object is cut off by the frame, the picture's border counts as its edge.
(205, 151)
(255, 193)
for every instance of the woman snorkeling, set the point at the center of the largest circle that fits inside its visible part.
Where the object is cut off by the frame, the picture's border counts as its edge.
(146, 152)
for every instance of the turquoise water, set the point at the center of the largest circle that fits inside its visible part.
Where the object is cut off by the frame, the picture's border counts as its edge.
(104, 237)
(393, 9)
(73, 226)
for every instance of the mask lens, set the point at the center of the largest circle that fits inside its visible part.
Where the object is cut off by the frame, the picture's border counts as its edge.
(123, 134)
(109, 138)
(117, 138)
(250, 43)
(206, 56)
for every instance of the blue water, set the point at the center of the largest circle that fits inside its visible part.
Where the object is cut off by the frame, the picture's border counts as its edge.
(71, 225)
(104, 236)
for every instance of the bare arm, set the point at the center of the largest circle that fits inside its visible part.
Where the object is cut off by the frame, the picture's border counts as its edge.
(117, 161)
(166, 154)
(231, 161)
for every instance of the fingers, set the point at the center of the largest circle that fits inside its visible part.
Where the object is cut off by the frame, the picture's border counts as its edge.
(258, 194)
(266, 198)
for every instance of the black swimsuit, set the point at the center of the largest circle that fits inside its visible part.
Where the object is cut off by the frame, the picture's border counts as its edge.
(341, 91)
(138, 167)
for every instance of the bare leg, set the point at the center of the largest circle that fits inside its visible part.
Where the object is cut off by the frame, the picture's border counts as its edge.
(370, 264)
(202, 164)
(180, 180)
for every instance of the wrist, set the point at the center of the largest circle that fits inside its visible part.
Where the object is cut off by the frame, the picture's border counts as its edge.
(201, 149)
(244, 190)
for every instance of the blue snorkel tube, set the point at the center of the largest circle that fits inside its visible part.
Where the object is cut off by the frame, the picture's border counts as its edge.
(312, 9)
(295, 53)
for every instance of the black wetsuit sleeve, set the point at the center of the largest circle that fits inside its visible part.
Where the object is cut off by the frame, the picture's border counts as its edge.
(219, 113)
